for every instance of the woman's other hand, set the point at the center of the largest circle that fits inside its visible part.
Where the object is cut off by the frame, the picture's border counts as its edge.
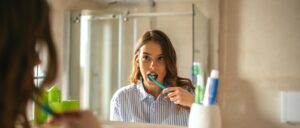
(77, 119)
(179, 96)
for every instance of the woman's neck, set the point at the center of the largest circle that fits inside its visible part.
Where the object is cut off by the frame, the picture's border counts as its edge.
(153, 90)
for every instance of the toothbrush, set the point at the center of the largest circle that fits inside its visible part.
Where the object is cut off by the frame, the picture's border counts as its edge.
(156, 82)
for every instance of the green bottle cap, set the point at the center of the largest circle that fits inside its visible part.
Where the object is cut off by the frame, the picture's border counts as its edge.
(196, 68)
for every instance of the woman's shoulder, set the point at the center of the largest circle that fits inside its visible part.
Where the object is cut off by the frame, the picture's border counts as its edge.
(126, 90)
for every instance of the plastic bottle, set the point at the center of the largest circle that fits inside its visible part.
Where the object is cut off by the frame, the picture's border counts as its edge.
(54, 94)
(54, 99)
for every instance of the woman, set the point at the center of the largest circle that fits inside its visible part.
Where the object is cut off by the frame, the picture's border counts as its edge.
(144, 101)
(24, 25)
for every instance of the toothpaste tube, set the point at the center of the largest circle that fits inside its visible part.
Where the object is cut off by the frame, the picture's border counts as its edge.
(211, 88)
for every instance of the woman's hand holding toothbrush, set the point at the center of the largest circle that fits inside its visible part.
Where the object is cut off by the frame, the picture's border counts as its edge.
(179, 96)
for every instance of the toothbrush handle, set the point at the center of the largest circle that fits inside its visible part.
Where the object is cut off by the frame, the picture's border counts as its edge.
(160, 85)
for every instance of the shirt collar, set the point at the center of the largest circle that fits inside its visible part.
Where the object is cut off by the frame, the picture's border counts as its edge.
(143, 93)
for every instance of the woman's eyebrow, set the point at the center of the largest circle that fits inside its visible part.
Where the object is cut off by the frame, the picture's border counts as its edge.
(146, 53)
(160, 55)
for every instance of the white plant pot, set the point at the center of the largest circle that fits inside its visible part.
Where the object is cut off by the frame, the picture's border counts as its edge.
(204, 116)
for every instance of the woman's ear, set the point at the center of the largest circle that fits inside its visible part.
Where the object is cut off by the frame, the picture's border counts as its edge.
(137, 61)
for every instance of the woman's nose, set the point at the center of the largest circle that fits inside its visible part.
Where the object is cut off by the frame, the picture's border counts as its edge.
(153, 65)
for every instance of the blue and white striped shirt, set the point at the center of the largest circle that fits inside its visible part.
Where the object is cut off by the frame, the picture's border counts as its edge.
(133, 104)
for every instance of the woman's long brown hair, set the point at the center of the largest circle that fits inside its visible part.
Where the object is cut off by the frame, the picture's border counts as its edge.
(172, 78)
(24, 24)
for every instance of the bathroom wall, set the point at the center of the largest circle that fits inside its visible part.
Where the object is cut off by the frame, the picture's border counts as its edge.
(259, 57)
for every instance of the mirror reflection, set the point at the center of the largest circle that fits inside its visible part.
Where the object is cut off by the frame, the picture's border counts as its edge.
(102, 44)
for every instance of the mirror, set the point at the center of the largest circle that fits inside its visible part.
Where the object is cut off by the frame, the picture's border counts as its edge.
(101, 43)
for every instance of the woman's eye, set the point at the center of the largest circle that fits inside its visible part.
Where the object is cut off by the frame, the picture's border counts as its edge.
(161, 59)
(146, 58)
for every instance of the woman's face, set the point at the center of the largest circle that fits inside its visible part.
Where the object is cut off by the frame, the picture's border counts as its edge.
(152, 61)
